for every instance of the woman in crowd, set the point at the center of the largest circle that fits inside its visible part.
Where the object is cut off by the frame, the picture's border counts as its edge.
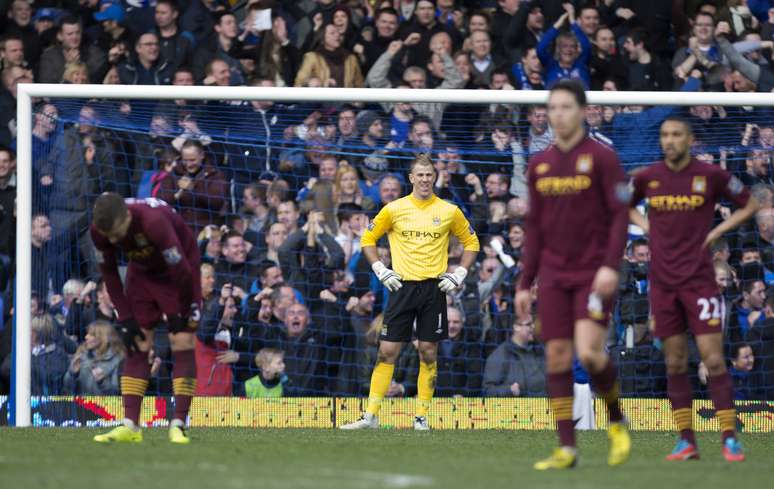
(346, 189)
(334, 65)
(95, 366)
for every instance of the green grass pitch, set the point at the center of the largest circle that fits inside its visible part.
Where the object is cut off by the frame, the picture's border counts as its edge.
(320, 459)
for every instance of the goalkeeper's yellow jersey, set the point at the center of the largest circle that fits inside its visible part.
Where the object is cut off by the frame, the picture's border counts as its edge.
(418, 231)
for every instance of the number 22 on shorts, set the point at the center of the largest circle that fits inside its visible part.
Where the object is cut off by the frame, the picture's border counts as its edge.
(711, 310)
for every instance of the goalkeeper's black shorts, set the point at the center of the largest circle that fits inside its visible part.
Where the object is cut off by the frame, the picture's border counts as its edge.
(417, 310)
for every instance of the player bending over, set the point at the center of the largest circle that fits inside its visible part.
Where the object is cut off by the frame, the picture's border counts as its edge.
(418, 228)
(682, 193)
(162, 281)
(576, 232)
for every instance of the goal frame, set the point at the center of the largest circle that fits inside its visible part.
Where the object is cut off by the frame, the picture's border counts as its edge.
(20, 402)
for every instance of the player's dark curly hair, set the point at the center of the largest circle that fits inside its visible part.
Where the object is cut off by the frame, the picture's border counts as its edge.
(573, 87)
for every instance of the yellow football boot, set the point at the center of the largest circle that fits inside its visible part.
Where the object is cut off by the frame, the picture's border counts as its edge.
(178, 435)
(562, 458)
(620, 444)
(120, 434)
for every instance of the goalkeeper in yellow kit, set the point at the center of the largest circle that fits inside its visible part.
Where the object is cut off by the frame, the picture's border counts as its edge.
(418, 228)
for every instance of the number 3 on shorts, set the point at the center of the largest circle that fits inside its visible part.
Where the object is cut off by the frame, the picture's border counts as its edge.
(710, 309)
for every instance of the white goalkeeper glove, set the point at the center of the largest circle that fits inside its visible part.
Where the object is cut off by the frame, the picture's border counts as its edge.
(450, 281)
(390, 279)
(507, 259)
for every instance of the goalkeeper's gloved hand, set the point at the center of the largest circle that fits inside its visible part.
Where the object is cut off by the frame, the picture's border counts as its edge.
(129, 330)
(450, 281)
(390, 279)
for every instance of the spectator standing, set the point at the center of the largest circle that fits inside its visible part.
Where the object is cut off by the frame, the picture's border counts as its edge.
(386, 26)
(49, 359)
(234, 269)
(459, 360)
(415, 77)
(11, 77)
(761, 339)
(330, 63)
(645, 72)
(20, 23)
(303, 353)
(483, 62)
(279, 59)
(147, 68)
(7, 214)
(223, 45)
(198, 191)
(71, 48)
(573, 51)
(517, 367)
(176, 48)
(309, 255)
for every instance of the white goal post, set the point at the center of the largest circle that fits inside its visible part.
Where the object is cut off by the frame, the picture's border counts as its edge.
(26, 93)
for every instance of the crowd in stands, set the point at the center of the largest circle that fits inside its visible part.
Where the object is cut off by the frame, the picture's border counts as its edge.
(279, 194)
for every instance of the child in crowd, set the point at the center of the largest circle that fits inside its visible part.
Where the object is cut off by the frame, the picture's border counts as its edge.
(271, 379)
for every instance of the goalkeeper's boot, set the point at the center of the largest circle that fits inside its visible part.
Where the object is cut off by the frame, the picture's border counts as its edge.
(562, 458)
(620, 444)
(367, 421)
(732, 450)
(121, 433)
(420, 423)
(177, 434)
(684, 450)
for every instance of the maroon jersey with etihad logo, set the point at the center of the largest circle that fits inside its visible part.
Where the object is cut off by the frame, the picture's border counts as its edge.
(577, 215)
(160, 248)
(681, 209)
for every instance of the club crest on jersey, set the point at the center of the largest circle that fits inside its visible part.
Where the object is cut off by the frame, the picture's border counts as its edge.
(584, 164)
(542, 168)
(654, 184)
(699, 184)
(436, 220)
(371, 226)
(141, 240)
(172, 256)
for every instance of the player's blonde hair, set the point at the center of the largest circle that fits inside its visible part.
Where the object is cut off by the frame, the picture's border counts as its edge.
(423, 159)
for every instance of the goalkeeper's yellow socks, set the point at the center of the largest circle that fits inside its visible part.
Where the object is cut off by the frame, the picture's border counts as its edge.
(381, 378)
(428, 372)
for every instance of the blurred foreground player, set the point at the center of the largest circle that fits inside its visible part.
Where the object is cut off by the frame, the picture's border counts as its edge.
(162, 282)
(576, 232)
(682, 193)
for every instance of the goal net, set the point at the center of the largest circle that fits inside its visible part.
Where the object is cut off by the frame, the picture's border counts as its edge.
(278, 184)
